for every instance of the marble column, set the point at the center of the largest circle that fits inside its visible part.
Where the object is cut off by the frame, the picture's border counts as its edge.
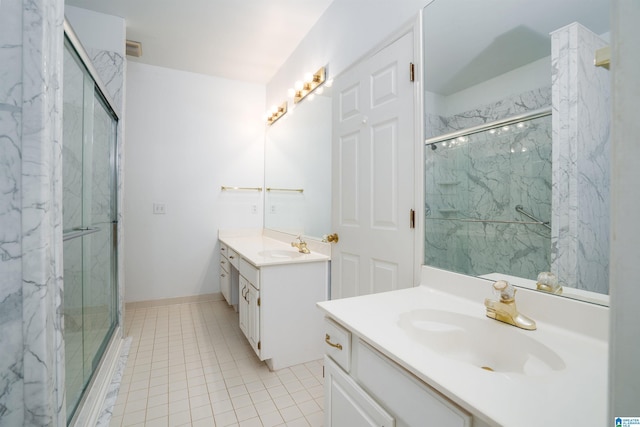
(32, 365)
(581, 160)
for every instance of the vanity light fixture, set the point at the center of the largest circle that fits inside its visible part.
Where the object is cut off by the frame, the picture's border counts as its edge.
(276, 112)
(303, 89)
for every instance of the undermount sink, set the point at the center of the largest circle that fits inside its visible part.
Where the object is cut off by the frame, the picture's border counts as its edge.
(279, 253)
(484, 343)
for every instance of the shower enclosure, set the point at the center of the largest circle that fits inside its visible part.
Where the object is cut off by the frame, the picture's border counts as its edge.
(489, 187)
(89, 221)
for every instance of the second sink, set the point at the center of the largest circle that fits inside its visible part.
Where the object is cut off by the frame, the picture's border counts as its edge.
(279, 253)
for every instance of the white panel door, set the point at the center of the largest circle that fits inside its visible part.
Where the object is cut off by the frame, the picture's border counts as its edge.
(373, 174)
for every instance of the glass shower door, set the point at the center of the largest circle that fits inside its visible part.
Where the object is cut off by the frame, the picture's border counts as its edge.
(89, 218)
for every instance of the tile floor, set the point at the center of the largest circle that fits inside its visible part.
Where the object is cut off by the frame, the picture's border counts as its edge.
(190, 365)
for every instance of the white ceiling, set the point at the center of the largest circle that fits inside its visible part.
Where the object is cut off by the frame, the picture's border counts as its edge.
(467, 42)
(245, 40)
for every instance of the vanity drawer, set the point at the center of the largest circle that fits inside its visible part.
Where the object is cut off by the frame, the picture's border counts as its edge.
(418, 403)
(338, 343)
(224, 263)
(234, 258)
(224, 249)
(251, 273)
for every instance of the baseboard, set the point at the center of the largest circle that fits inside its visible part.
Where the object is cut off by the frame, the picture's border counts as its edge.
(217, 296)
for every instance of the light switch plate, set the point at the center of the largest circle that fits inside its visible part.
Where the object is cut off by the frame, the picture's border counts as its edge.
(159, 209)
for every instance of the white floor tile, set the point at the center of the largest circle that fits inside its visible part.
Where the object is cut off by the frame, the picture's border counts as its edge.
(190, 365)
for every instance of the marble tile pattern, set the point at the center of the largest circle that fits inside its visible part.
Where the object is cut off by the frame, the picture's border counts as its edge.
(11, 337)
(484, 177)
(112, 393)
(111, 68)
(436, 125)
(581, 160)
(32, 374)
(30, 210)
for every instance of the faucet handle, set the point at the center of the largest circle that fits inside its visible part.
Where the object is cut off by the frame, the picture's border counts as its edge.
(506, 290)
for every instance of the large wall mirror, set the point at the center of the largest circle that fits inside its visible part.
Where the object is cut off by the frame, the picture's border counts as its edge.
(298, 168)
(517, 141)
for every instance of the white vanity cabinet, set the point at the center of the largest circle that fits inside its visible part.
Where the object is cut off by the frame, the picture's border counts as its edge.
(277, 299)
(347, 404)
(249, 306)
(363, 387)
(228, 275)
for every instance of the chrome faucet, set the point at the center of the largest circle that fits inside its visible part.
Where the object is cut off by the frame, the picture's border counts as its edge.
(505, 310)
(301, 245)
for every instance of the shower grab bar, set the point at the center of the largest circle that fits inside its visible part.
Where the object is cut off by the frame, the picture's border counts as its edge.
(486, 126)
(493, 221)
(295, 190)
(79, 232)
(520, 209)
(225, 188)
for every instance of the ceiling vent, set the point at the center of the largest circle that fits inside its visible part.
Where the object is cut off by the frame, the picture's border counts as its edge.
(134, 48)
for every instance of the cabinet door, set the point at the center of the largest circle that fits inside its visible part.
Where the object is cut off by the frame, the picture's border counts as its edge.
(243, 305)
(347, 404)
(253, 318)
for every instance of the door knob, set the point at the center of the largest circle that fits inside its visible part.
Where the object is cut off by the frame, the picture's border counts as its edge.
(332, 238)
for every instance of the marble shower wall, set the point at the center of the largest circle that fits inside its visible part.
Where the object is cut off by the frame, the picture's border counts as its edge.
(32, 375)
(31, 368)
(111, 68)
(581, 160)
(436, 125)
(484, 176)
(11, 337)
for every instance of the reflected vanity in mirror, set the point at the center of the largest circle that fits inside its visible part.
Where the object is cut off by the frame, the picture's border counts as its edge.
(297, 167)
(517, 141)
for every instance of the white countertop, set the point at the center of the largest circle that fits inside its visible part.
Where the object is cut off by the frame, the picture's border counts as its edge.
(254, 248)
(575, 395)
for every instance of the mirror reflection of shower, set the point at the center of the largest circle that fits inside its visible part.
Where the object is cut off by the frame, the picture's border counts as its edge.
(475, 179)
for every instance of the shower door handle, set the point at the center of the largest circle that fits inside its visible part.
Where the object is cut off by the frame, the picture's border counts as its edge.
(79, 232)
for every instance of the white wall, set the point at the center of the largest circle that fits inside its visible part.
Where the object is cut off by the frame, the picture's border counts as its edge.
(187, 135)
(97, 30)
(624, 369)
(344, 33)
(531, 76)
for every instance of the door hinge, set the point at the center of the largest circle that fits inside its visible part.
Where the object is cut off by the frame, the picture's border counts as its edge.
(412, 219)
(259, 345)
(412, 72)
(258, 302)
